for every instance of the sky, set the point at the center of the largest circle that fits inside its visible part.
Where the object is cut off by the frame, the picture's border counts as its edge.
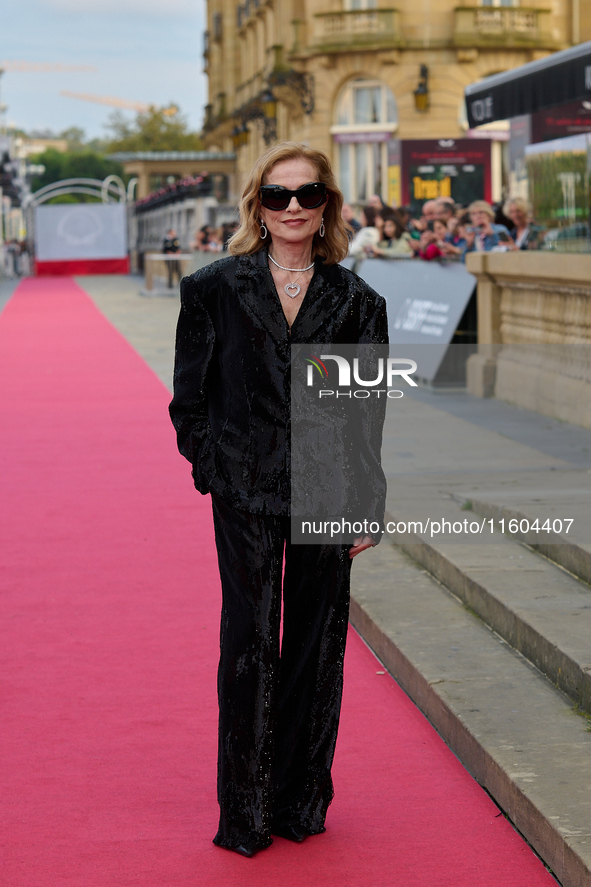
(143, 50)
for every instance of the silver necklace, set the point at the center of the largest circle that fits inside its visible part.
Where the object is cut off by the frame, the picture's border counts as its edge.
(293, 285)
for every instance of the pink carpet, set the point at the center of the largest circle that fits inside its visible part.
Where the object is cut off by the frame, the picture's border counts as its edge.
(109, 608)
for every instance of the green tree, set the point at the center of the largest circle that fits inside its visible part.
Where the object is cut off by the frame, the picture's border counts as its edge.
(75, 137)
(74, 198)
(73, 165)
(52, 160)
(158, 129)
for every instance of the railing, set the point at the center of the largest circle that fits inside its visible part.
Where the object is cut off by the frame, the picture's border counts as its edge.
(245, 10)
(218, 30)
(503, 26)
(249, 90)
(335, 31)
(176, 193)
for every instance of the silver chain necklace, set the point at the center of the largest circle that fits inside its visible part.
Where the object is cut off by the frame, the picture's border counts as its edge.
(294, 285)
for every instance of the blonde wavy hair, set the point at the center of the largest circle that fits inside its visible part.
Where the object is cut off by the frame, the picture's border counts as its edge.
(333, 247)
(481, 206)
(519, 203)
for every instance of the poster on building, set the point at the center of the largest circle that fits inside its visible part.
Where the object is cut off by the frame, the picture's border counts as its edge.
(556, 123)
(456, 168)
(394, 183)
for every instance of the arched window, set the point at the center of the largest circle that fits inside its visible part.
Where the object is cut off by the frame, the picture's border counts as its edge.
(365, 120)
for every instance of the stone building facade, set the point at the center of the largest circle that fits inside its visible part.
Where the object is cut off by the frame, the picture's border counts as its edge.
(357, 78)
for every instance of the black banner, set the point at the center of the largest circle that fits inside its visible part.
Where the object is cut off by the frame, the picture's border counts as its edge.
(559, 78)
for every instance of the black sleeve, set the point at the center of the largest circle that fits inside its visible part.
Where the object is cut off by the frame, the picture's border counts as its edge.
(374, 332)
(195, 342)
(374, 322)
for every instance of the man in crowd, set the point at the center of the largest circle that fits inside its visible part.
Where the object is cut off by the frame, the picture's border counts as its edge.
(170, 246)
(349, 218)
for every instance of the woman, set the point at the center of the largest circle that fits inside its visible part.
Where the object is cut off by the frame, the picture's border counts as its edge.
(488, 236)
(428, 248)
(524, 233)
(441, 235)
(206, 240)
(279, 707)
(368, 235)
(457, 242)
(395, 242)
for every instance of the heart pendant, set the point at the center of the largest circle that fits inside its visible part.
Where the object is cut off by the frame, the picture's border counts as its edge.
(292, 286)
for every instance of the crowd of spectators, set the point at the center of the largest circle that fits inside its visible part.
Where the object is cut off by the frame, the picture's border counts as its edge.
(15, 260)
(213, 240)
(442, 230)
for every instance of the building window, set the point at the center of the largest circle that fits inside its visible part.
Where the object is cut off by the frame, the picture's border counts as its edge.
(366, 117)
(366, 102)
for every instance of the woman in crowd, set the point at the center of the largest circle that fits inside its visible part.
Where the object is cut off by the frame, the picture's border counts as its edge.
(488, 235)
(428, 248)
(395, 242)
(279, 703)
(525, 235)
(368, 235)
(456, 243)
(207, 240)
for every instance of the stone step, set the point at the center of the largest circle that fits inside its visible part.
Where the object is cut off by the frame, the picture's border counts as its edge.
(561, 546)
(520, 737)
(540, 609)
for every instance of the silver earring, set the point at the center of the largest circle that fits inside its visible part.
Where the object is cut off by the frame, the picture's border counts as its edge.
(322, 229)
(264, 231)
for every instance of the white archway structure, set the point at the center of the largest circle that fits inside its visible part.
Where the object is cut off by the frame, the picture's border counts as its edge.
(109, 190)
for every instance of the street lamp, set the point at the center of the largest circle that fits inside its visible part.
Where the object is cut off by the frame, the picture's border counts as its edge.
(269, 104)
(421, 93)
(240, 135)
(243, 135)
(269, 108)
(263, 109)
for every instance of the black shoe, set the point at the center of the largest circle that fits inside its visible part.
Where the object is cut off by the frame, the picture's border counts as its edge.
(295, 833)
(248, 848)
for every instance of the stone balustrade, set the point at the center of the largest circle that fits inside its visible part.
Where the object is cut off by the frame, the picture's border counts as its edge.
(334, 31)
(503, 26)
(534, 332)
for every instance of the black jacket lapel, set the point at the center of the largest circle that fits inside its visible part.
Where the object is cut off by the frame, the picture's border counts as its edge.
(257, 295)
(323, 300)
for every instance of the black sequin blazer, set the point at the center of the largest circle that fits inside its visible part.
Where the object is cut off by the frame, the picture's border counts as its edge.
(231, 404)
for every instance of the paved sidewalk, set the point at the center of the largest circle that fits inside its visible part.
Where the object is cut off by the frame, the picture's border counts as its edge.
(7, 287)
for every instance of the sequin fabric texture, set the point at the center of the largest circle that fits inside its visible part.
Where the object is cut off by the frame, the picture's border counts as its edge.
(279, 706)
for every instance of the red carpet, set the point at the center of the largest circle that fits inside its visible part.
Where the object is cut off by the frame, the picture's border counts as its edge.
(109, 608)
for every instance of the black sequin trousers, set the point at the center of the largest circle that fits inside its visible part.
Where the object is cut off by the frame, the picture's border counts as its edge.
(279, 705)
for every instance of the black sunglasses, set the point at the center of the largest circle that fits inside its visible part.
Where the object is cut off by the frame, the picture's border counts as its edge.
(277, 198)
